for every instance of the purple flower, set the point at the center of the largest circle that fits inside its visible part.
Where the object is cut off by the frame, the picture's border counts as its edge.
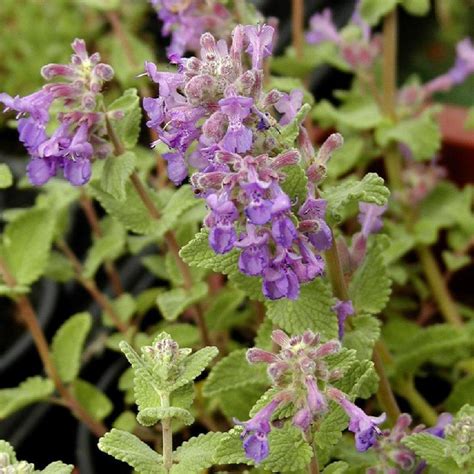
(283, 230)
(260, 40)
(314, 226)
(309, 266)
(464, 65)
(322, 28)
(315, 399)
(222, 234)
(279, 279)
(77, 171)
(238, 138)
(41, 170)
(370, 218)
(364, 426)
(177, 169)
(443, 420)
(343, 310)
(255, 256)
(256, 430)
(288, 105)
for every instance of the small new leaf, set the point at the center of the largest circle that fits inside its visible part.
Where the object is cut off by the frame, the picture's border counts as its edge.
(151, 416)
(95, 402)
(127, 126)
(173, 302)
(116, 172)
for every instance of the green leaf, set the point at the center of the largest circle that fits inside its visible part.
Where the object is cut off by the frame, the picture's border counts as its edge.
(237, 402)
(151, 416)
(32, 390)
(362, 336)
(95, 402)
(6, 178)
(103, 5)
(58, 467)
(194, 365)
(26, 244)
(432, 449)
(134, 215)
(127, 127)
(117, 170)
(68, 343)
(128, 448)
(197, 454)
(330, 429)
(312, 310)
(360, 381)
(290, 132)
(295, 183)
(416, 7)
(59, 268)
(346, 157)
(461, 394)
(338, 467)
(233, 372)
(124, 307)
(173, 302)
(373, 10)
(370, 189)
(455, 262)
(287, 84)
(126, 421)
(370, 286)
(421, 134)
(222, 312)
(107, 247)
(7, 448)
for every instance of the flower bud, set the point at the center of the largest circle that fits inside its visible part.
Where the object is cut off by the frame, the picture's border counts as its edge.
(288, 158)
(215, 126)
(272, 98)
(330, 145)
(255, 355)
(330, 347)
(279, 337)
(303, 419)
(104, 72)
(200, 89)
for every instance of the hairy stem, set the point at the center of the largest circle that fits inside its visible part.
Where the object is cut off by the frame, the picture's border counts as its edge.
(93, 219)
(169, 237)
(384, 394)
(90, 286)
(167, 435)
(438, 286)
(297, 27)
(406, 388)
(31, 321)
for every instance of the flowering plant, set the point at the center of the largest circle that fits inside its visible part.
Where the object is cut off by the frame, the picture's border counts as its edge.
(267, 287)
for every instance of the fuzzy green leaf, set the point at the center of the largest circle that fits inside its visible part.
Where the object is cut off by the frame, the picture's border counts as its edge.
(32, 390)
(173, 302)
(127, 127)
(373, 10)
(197, 454)
(295, 183)
(312, 310)
(59, 268)
(330, 429)
(370, 189)
(421, 134)
(346, 157)
(124, 306)
(370, 286)
(151, 416)
(95, 402)
(128, 448)
(237, 402)
(58, 467)
(116, 172)
(6, 178)
(338, 467)
(222, 312)
(233, 372)
(26, 244)
(364, 332)
(461, 394)
(68, 343)
(416, 7)
(290, 132)
(7, 448)
(360, 381)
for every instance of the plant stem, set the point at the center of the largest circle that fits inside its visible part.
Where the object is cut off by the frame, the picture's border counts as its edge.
(167, 435)
(384, 394)
(297, 27)
(90, 286)
(406, 388)
(438, 286)
(93, 219)
(313, 466)
(169, 236)
(31, 321)
(390, 63)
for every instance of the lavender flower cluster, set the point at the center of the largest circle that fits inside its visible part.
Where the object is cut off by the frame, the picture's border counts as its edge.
(301, 377)
(80, 134)
(214, 115)
(186, 20)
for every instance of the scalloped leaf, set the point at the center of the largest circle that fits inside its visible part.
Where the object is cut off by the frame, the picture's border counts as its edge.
(173, 302)
(151, 416)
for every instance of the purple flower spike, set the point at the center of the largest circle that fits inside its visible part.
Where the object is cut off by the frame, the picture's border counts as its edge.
(256, 431)
(289, 105)
(255, 256)
(78, 171)
(303, 419)
(177, 169)
(322, 28)
(279, 280)
(343, 310)
(464, 65)
(260, 39)
(41, 170)
(316, 401)
(364, 426)
(443, 420)
(370, 218)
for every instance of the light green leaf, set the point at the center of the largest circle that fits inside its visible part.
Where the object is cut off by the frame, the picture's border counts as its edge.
(290, 132)
(421, 134)
(346, 157)
(373, 10)
(295, 183)
(128, 448)
(197, 454)
(416, 7)
(222, 312)
(6, 178)
(233, 372)
(330, 429)
(338, 467)
(26, 244)
(370, 189)
(126, 421)
(151, 416)
(251, 286)
(461, 394)
(127, 127)
(68, 343)
(95, 402)
(370, 286)
(7, 448)
(361, 381)
(116, 172)
(237, 402)
(173, 302)
(124, 307)
(59, 268)
(32, 390)
(58, 467)
(455, 262)
(312, 310)
(363, 334)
